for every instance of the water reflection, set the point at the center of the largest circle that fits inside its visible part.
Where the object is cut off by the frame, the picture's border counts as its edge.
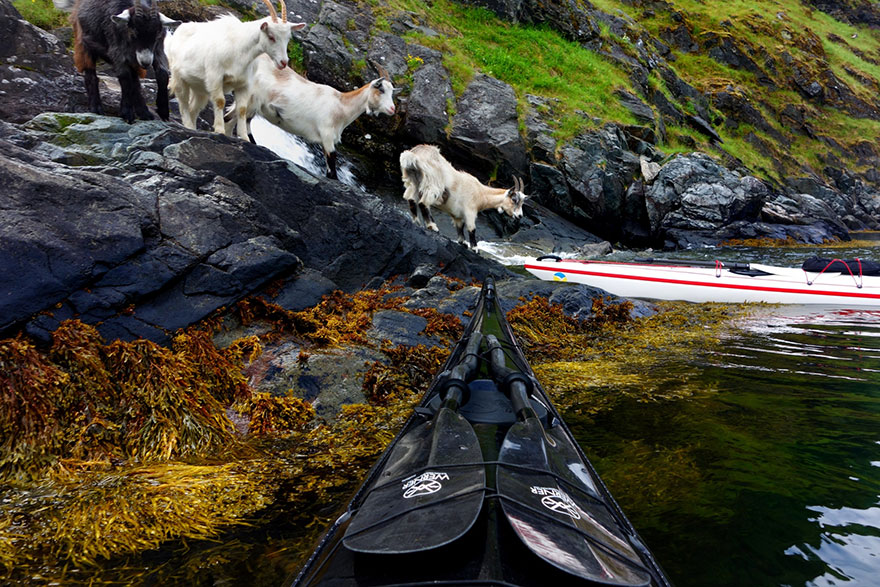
(784, 485)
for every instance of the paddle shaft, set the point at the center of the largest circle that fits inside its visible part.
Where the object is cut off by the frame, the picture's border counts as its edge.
(455, 388)
(515, 383)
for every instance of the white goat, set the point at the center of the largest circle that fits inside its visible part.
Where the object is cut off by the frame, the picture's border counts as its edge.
(210, 59)
(316, 112)
(430, 180)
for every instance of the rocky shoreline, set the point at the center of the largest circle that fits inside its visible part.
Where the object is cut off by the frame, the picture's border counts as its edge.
(144, 229)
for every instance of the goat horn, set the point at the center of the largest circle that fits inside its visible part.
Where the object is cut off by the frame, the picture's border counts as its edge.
(283, 11)
(154, 9)
(382, 71)
(272, 12)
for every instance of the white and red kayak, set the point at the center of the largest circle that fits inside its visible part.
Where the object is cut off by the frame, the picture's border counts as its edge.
(830, 282)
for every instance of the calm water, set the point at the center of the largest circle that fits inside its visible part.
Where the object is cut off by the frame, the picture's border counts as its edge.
(772, 476)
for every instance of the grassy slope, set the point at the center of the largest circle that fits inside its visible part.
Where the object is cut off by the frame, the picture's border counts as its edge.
(769, 28)
(539, 61)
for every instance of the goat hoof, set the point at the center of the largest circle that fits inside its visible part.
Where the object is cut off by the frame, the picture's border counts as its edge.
(433, 227)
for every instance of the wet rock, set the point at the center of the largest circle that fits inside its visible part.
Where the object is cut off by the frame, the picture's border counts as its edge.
(421, 275)
(167, 225)
(400, 328)
(304, 290)
(328, 379)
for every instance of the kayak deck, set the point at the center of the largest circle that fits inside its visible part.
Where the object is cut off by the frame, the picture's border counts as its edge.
(542, 517)
(715, 282)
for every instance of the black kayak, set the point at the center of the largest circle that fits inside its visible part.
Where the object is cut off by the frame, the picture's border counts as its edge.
(484, 485)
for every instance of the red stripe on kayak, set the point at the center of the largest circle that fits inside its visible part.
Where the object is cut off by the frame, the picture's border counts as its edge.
(704, 284)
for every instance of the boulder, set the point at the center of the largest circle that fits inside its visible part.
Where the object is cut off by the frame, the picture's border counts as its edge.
(693, 192)
(427, 113)
(599, 167)
(485, 127)
(36, 71)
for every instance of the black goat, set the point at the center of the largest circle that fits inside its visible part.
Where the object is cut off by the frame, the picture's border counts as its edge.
(130, 36)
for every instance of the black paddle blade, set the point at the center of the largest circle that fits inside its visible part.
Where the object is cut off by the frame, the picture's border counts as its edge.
(567, 529)
(436, 504)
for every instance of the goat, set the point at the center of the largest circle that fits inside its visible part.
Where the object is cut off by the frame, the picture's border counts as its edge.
(210, 59)
(127, 34)
(316, 112)
(430, 180)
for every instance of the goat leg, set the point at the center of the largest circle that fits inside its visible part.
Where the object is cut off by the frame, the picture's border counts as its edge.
(127, 81)
(472, 235)
(94, 96)
(331, 164)
(161, 68)
(428, 218)
(414, 212)
(459, 227)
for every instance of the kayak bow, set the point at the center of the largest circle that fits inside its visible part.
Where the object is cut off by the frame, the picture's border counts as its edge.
(484, 485)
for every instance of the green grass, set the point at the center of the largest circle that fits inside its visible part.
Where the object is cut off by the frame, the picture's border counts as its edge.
(41, 13)
(533, 60)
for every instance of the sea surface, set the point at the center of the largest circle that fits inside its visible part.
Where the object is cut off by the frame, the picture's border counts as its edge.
(772, 476)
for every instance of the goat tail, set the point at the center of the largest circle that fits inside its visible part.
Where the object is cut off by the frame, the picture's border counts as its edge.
(422, 176)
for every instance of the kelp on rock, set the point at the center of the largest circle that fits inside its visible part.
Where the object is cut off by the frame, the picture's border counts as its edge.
(113, 449)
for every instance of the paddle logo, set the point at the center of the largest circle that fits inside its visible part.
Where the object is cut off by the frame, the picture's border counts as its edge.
(558, 501)
(559, 276)
(425, 484)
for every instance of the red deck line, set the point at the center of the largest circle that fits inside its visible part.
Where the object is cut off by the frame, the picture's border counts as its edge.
(709, 284)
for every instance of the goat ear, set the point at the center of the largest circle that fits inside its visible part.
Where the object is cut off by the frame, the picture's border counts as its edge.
(264, 26)
(297, 26)
(122, 17)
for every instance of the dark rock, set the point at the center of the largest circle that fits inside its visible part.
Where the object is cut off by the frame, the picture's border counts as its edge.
(634, 104)
(421, 275)
(726, 49)
(539, 135)
(704, 127)
(426, 112)
(184, 224)
(679, 37)
(485, 126)
(36, 71)
(738, 108)
(834, 198)
(400, 328)
(303, 291)
(327, 56)
(549, 188)
(568, 17)
(61, 228)
(693, 192)
(599, 167)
